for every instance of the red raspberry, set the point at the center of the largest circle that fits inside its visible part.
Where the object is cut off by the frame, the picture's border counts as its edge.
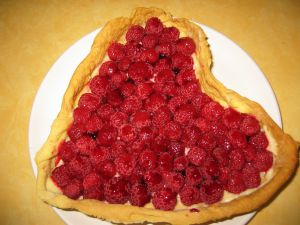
(114, 98)
(211, 168)
(139, 195)
(118, 118)
(80, 166)
(172, 130)
(189, 195)
(99, 85)
(196, 156)
(224, 142)
(211, 193)
(96, 193)
(236, 160)
(249, 153)
(118, 148)
(149, 56)
(170, 89)
(107, 135)
(212, 111)
(202, 124)
(100, 155)
(149, 41)
(185, 76)
(159, 144)
(231, 118)
(128, 89)
(186, 46)
(164, 199)
(185, 114)
(162, 64)
(141, 119)
(135, 33)
(154, 26)
(105, 111)
(180, 61)
(165, 162)
(107, 169)
(140, 71)
(144, 90)
(136, 147)
(176, 149)
(259, 141)
(193, 176)
(116, 191)
(224, 173)
(131, 104)
(108, 68)
(174, 181)
(92, 181)
(250, 125)
(251, 176)
(61, 176)
(237, 139)
(164, 76)
(221, 156)
(67, 150)
(85, 145)
(161, 116)
(180, 163)
(137, 175)
(73, 190)
(235, 183)
(128, 133)
(148, 160)
(124, 64)
(146, 135)
(263, 161)
(117, 79)
(81, 114)
(133, 51)
(218, 129)
(116, 51)
(75, 131)
(153, 179)
(169, 34)
(190, 89)
(165, 49)
(94, 124)
(125, 164)
(154, 102)
(199, 100)
(208, 141)
(89, 100)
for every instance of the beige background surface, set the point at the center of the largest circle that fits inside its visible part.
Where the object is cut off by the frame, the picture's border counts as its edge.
(33, 34)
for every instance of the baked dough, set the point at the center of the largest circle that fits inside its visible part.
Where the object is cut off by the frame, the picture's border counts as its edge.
(285, 159)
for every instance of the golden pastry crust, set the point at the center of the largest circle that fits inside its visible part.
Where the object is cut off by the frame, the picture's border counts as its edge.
(285, 161)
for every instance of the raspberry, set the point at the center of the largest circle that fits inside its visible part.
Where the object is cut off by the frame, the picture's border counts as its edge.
(67, 150)
(141, 119)
(221, 156)
(128, 89)
(211, 193)
(237, 139)
(249, 153)
(108, 68)
(116, 51)
(135, 33)
(211, 168)
(218, 129)
(162, 64)
(137, 175)
(94, 124)
(164, 199)
(140, 71)
(202, 124)
(116, 191)
(146, 135)
(236, 160)
(100, 155)
(107, 135)
(89, 101)
(148, 160)
(174, 181)
(153, 179)
(91, 181)
(224, 173)
(75, 131)
(144, 90)
(249, 125)
(96, 193)
(189, 195)
(61, 176)
(154, 102)
(165, 161)
(85, 145)
(224, 142)
(186, 75)
(114, 98)
(164, 76)
(80, 166)
(196, 156)
(118, 118)
(125, 164)
(259, 141)
(73, 190)
(81, 114)
(165, 49)
(159, 144)
(200, 99)
(186, 46)
(117, 79)
(124, 64)
(99, 85)
(180, 61)
(133, 51)
(149, 41)
(105, 111)
(169, 34)
(189, 89)
(149, 55)
(235, 183)
(107, 169)
(263, 161)
(139, 195)
(231, 118)
(176, 149)
(170, 89)
(193, 176)
(154, 26)
(212, 111)
(184, 114)
(131, 104)
(208, 141)
(180, 163)
(127, 133)
(251, 176)
(136, 147)
(118, 148)
(161, 116)
(172, 130)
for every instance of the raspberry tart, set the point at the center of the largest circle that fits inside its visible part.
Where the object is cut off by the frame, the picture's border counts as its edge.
(146, 130)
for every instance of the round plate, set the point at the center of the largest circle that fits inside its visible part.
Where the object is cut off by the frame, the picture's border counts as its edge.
(232, 66)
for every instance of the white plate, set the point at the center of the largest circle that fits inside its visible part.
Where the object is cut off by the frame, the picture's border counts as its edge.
(232, 66)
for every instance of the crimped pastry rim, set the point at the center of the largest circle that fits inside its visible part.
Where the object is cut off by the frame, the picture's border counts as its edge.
(283, 166)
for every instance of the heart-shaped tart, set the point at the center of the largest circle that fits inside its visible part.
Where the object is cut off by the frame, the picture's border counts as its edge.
(146, 133)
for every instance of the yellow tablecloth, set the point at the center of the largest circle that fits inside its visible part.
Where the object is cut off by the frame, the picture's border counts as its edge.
(33, 34)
